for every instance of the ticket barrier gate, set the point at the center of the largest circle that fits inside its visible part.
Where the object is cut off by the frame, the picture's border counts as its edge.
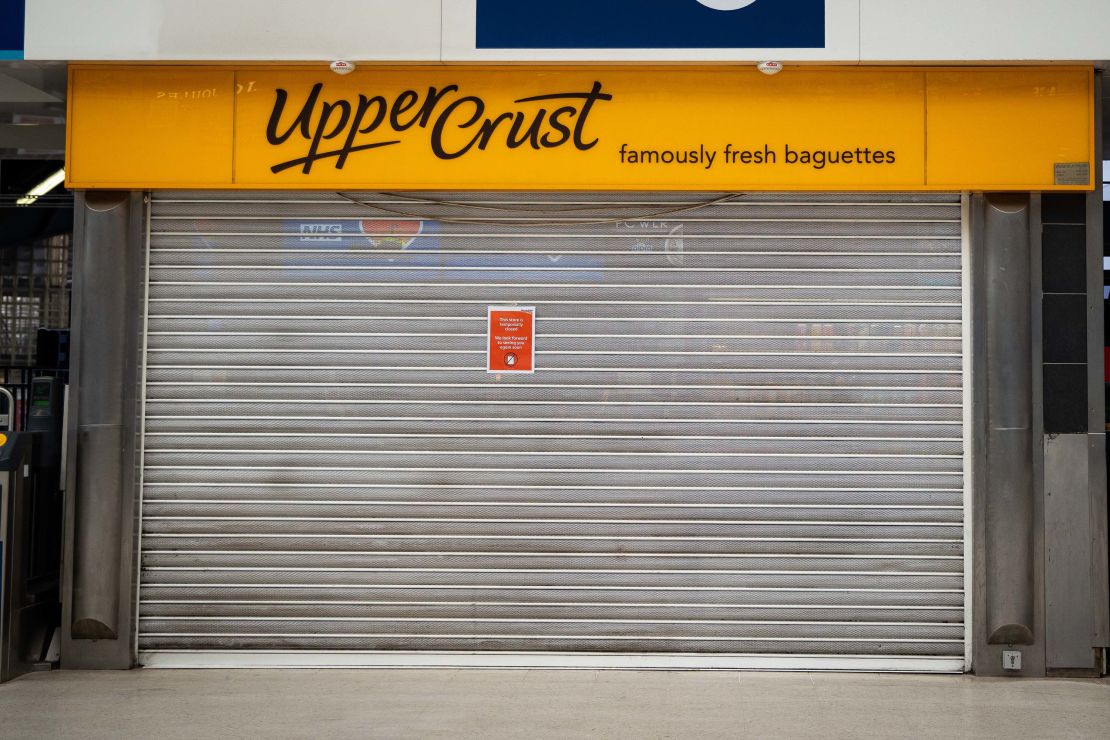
(30, 537)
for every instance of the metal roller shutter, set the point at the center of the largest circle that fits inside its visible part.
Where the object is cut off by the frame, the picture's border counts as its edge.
(743, 445)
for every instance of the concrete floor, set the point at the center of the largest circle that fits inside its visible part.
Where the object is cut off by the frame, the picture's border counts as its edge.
(544, 704)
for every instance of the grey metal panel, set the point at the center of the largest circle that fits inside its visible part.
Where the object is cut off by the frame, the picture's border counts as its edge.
(1100, 583)
(1069, 632)
(98, 495)
(100, 558)
(745, 434)
(1009, 504)
(98, 512)
(1100, 534)
(1009, 580)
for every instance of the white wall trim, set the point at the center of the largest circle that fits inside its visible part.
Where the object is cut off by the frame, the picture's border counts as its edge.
(857, 31)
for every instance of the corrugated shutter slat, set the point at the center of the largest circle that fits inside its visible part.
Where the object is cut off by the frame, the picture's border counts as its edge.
(745, 435)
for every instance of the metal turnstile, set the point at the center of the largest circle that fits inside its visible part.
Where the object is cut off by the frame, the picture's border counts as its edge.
(15, 486)
(30, 525)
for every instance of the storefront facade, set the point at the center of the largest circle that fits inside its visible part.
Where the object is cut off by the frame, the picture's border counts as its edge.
(783, 398)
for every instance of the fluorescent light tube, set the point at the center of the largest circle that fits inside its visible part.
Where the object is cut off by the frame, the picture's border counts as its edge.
(43, 188)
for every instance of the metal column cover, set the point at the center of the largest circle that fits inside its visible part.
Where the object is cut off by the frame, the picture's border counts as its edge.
(1009, 504)
(744, 438)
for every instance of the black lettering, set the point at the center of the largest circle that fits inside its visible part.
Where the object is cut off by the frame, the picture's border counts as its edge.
(327, 155)
(445, 117)
(322, 133)
(301, 121)
(320, 121)
(364, 105)
(594, 96)
(560, 127)
(403, 104)
(489, 128)
(531, 136)
(432, 102)
(325, 116)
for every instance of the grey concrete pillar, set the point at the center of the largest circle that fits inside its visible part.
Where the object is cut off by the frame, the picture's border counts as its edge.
(99, 563)
(1009, 501)
(1005, 464)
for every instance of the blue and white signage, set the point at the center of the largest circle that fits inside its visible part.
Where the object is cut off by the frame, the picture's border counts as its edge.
(651, 24)
(12, 14)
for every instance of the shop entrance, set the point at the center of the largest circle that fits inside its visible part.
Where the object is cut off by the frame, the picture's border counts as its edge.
(742, 445)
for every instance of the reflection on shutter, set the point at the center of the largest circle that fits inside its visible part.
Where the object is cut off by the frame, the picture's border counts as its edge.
(744, 436)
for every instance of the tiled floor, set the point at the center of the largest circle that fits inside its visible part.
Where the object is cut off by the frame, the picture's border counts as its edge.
(545, 704)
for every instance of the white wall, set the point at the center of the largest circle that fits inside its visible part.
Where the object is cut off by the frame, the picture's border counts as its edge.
(984, 30)
(443, 30)
(233, 30)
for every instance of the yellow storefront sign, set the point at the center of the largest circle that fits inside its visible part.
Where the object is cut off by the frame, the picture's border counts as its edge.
(600, 128)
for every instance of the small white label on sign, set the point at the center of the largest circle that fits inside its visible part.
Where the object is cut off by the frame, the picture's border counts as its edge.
(1073, 173)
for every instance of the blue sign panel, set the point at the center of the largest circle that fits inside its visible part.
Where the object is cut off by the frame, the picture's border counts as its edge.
(651, 24)
(12, 14)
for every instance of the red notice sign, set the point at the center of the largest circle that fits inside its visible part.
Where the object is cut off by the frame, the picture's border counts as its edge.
(512, 333)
